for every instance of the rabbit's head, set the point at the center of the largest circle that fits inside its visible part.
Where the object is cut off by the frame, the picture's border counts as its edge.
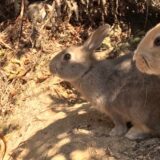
(73, 62)
(147, 54)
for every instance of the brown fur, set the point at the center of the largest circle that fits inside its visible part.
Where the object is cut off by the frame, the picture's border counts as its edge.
(147, 55)
(114, 87)
(38, 11)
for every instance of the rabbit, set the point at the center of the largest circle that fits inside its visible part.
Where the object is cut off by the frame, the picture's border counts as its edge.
(147, 54)
(115, 87)
(40, 15)
(38, 11)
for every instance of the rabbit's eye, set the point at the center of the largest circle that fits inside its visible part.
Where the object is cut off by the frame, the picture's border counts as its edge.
(157, 41)
(67, 57)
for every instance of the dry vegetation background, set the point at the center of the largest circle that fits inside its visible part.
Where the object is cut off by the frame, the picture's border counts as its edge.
(22, 51)
(27, 46)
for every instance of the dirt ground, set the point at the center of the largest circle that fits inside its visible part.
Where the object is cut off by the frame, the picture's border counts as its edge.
(49, 127)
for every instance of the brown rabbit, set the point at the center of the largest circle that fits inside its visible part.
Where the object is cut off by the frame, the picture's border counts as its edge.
(38, 11)
(115, 87)
(40, 15)
(147, 54)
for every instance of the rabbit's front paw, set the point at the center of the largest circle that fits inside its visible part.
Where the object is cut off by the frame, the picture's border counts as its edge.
(118, 130)
(136, 134)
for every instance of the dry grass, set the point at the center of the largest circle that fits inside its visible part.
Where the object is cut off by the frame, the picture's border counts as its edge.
(21, 64)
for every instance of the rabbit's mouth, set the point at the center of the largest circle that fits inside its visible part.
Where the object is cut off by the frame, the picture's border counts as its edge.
(142, 63)
(146, 62)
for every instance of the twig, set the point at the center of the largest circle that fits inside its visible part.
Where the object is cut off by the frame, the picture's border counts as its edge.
(147, 12)
(5, 45)
(20, 18)
(3, 146)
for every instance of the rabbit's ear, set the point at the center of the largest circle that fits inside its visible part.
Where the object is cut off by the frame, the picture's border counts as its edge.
(96, 38)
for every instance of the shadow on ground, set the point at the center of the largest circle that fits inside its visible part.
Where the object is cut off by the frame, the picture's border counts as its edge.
(81, 133)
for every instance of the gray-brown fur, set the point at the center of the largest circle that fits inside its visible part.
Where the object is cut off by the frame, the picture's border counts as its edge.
(115, 87)
(37, 12)
(40, 15)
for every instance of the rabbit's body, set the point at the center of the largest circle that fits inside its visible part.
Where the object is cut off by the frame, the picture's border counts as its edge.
(147, 54)
(38, 12)
(116, 88)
